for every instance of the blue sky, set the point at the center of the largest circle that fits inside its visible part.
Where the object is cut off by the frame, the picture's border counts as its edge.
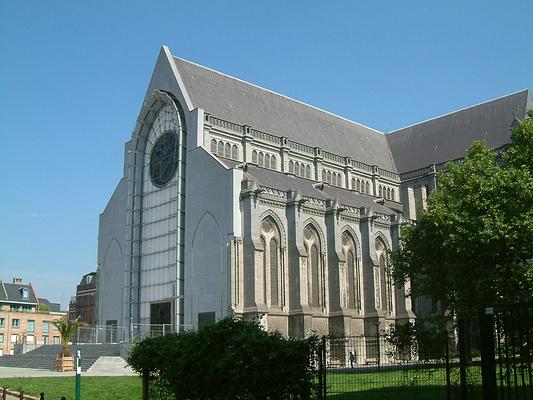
(73, 75)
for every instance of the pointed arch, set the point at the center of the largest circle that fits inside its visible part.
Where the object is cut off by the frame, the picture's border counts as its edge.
(279, 223)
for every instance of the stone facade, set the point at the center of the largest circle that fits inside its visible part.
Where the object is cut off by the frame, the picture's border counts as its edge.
(272, 209)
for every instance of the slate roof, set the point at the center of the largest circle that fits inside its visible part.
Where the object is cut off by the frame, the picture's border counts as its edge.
(448, 137)
(12, 292)
(285, 182)
(243, 103)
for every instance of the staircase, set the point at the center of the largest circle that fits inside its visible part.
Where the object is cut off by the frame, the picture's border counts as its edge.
(44, 357)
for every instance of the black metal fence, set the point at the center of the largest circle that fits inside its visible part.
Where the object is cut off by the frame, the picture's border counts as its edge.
(507, 333)
(371, 367)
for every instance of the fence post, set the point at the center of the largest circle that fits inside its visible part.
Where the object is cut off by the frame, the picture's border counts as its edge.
(462, 357)
(488, 360)
(4, 393)
(41, 396)
(145, 388)
(323, 351)
(378, 347)
(21, 394)
(448, 369)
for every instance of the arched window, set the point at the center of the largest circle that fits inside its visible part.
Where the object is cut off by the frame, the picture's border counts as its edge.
(297, 168)
(234, 152)
(380, 191)
(274, 272)
(392, 195)
(291, 166)
(213, 146)
(367, 188)
(272, 282)
(227, 150)
(267, 161)
(385, 280)
(329, 177)
(323, 176)
(273, 162)
(220, 149)
(254, 157)
(358, 187)
(388, 193)
(314, 267)
(350, 279)
(308, 172)
(353, 184)
(302, 170)
(260, 159)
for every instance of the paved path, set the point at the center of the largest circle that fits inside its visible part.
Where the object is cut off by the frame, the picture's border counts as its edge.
(12, 372)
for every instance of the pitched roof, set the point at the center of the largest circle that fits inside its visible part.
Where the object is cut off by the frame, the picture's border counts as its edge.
(246, 104)
(448, 137)
(285, 182)
(12, 292)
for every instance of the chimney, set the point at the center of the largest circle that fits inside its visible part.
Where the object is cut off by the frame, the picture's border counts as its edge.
(17, 281)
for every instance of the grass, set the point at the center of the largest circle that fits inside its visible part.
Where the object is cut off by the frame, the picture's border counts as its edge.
(401, 384)
(92, 387)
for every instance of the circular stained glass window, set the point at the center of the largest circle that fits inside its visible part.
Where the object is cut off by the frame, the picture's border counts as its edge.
(164, 159)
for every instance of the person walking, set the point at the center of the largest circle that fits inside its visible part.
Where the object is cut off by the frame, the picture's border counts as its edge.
(352, 358)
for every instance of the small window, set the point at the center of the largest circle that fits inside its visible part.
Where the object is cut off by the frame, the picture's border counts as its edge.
(388, 193)
(254, 157)
(30, 338)
(273, 163)
(329, 177)
(25, 293)
(353, 183)
(31, 326)
(15, 323)
(227, 150)
(205, 318)
(57, 340)
(380, 191)
(302, 170)
(1, 338)
(267, 161)
(234, 152)
(296, 168)
(46, 326)
(45, 339)
(55, 327)
(291, 166)
(393, 197)
(308, 172)
(14, 338)
(260, 160)
(2, 322)
(220, 149)
(367, 188)
(323, 176)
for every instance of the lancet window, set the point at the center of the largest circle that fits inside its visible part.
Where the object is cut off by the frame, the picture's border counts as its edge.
(272, 282)
(315, 281)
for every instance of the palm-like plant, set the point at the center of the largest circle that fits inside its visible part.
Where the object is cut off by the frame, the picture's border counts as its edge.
(66, 331)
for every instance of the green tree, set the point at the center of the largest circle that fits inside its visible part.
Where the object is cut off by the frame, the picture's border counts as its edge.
(473, 246)
(66, 331)
(232, 359)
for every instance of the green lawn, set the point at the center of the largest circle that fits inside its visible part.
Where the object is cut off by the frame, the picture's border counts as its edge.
(408, 384)
(92, 387)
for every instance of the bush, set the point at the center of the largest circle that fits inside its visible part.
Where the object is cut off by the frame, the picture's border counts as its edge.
(232, 359)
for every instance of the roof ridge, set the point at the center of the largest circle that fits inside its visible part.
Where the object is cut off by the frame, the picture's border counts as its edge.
(281, 95)
(456, 111)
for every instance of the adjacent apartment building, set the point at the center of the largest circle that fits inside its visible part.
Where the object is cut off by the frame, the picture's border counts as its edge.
(83, 305)
(21, 322)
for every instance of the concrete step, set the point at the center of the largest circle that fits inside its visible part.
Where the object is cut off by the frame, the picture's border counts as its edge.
(111, 365)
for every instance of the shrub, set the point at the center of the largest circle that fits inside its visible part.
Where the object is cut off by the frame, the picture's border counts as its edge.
(232, 359)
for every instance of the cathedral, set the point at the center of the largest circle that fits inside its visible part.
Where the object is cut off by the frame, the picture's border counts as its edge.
(236, 200)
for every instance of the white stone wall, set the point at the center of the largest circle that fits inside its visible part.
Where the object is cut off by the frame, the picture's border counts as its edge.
(211, 222)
